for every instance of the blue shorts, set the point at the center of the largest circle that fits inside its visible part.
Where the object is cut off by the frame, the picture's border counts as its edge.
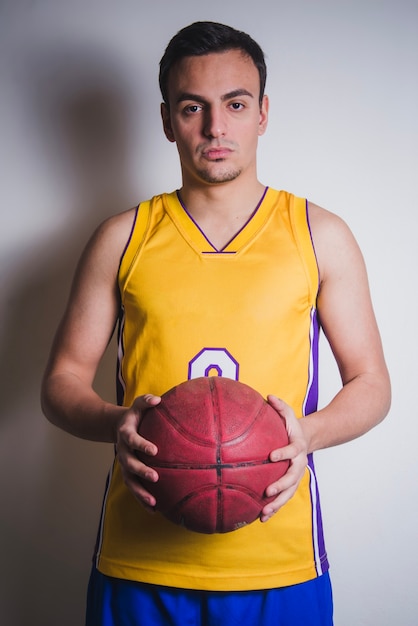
(114, 602)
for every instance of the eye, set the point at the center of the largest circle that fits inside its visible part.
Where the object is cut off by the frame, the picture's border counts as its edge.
(192, 108)
(236, 106)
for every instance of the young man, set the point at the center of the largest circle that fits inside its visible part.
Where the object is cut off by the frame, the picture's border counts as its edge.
(231, 275)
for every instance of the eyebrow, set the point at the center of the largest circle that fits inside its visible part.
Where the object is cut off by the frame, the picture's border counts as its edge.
(228, 96)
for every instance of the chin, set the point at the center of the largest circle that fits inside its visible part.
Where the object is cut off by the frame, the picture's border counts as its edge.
(221, 177)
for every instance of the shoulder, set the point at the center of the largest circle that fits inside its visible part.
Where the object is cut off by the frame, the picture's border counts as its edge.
(112, 235)
(103, 252)
(324, 223)
(115, 230)
(335, 245)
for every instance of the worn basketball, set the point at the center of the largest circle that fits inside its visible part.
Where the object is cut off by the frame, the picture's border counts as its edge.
(214, 436)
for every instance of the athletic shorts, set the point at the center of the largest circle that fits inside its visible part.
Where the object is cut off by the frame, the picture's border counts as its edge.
(114, 602)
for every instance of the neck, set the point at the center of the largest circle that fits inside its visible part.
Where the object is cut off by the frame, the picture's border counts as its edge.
(227, 201)
(221, 212)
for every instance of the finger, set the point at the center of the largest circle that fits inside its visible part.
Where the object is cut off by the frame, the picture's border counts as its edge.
(144, 446)
(136, 475)
(131, 465)
(146, 401)
(280, 405)
(141, 493)
(289, 480)
(129, 437)
(285, 453)
(271, 509)
(130, 440)
(139, 443)
(284, 489)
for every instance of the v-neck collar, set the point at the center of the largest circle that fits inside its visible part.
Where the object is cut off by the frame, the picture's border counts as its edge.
(196, 237)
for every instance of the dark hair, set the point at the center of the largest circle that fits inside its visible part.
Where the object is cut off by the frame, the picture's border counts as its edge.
(202, 38)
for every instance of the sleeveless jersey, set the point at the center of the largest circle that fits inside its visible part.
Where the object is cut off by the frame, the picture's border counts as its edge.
(246, 312)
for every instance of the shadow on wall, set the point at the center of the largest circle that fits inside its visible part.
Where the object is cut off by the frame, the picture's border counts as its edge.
(82, 112)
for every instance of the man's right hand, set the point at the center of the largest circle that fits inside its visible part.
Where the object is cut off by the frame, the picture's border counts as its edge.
(128, 442)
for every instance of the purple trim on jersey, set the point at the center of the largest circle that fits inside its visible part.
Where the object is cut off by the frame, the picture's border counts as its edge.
(99, 537)
(236, 234)
(218, 251)
(318, 542)
(311, 400)
(130, 236)
(310, 406)
(313, 244)
(120, 383)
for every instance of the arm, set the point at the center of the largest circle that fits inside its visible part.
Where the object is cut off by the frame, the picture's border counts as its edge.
(68, 398)
(348, 321)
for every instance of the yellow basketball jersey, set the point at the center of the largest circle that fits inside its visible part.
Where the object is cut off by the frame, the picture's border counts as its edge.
(246, 312)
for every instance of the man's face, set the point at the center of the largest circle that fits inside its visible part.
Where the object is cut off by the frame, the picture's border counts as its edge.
(215, 117)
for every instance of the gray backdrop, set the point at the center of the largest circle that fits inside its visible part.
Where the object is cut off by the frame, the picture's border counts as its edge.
(81, 138)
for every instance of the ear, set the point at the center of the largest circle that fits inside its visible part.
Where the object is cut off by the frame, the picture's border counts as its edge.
(264, 115)
(165, 116)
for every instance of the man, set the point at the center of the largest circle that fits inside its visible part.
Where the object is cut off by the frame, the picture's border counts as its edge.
(229, 274)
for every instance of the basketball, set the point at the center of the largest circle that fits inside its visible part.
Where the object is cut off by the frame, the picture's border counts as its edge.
(214, 437)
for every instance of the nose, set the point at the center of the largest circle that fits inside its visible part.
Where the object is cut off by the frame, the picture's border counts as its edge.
(215, 123)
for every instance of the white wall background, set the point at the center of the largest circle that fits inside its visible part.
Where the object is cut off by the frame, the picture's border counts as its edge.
(81, 138)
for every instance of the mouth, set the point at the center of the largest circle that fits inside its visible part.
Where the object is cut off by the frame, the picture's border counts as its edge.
(216, 154)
